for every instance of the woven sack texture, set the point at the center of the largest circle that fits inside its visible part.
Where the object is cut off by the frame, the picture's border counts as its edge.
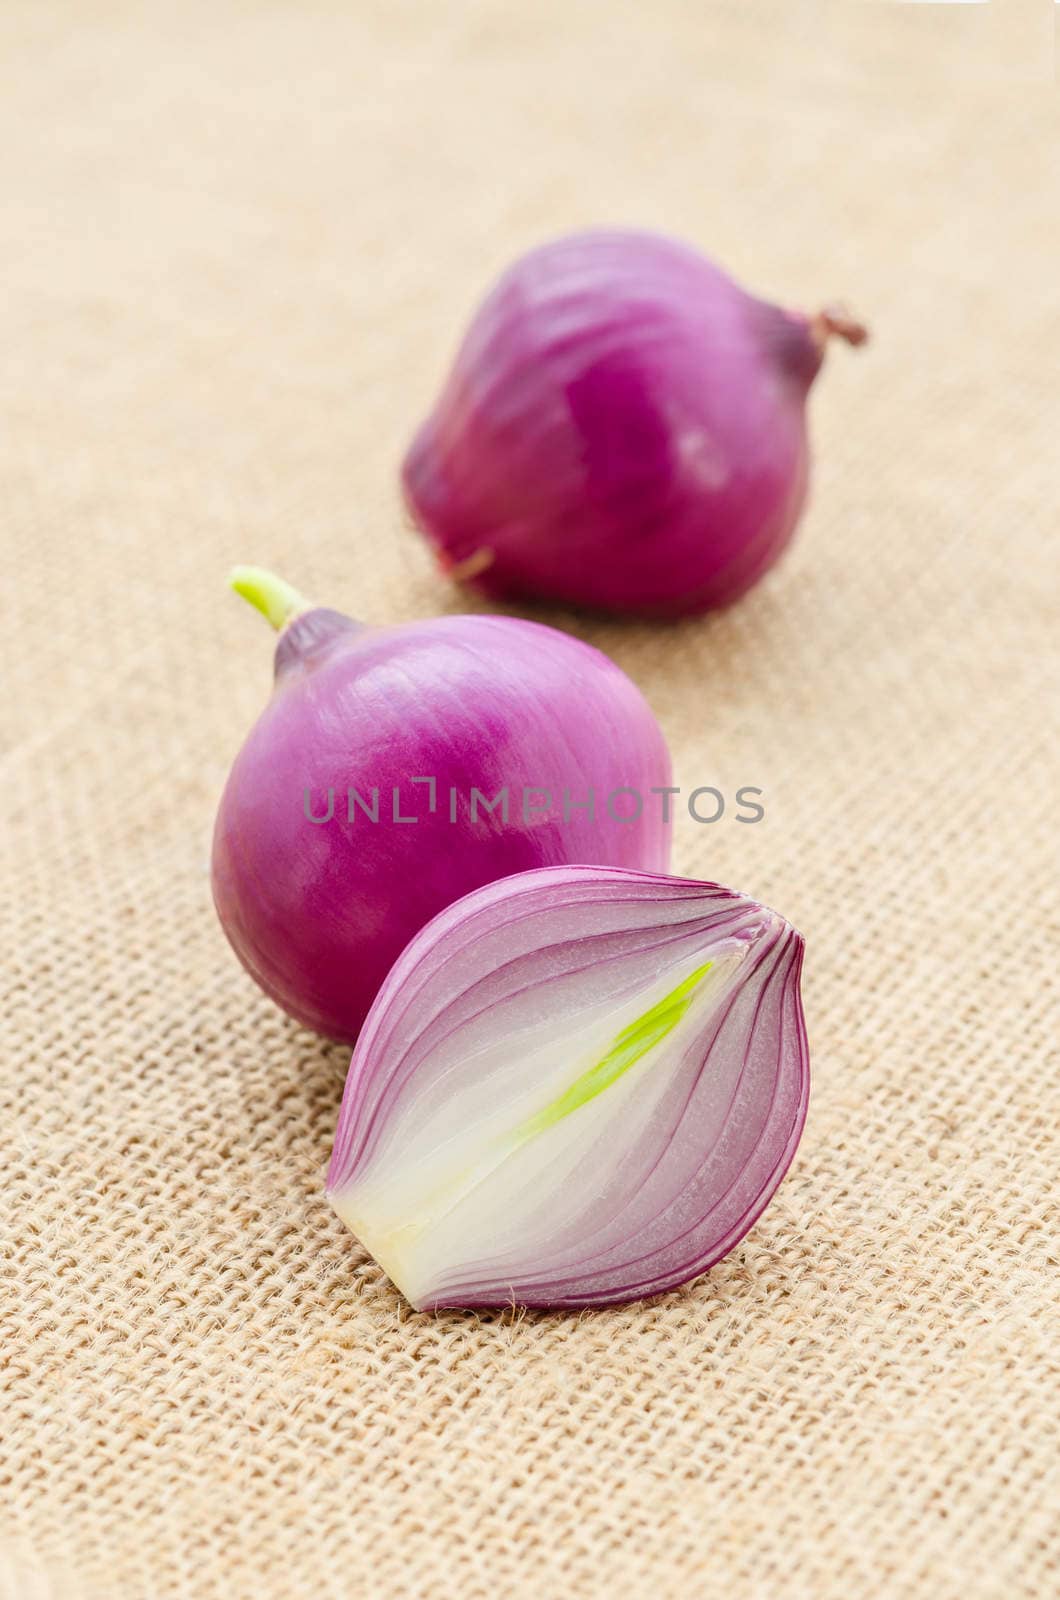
(238, 243)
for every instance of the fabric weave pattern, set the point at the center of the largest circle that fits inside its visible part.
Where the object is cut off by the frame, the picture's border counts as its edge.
(239, 242)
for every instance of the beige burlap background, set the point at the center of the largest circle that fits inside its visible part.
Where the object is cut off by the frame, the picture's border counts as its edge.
(237, 242)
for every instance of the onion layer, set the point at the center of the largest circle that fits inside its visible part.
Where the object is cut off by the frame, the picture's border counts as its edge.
(576, 1086)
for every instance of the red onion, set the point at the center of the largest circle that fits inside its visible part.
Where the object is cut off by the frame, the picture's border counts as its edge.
(624, 427)
(420, 717)
(576, 1086)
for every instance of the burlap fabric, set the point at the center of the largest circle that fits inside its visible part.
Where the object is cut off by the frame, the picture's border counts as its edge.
(237, 244)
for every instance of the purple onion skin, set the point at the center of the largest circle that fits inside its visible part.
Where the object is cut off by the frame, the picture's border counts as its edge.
(623, 429)
(319, 913)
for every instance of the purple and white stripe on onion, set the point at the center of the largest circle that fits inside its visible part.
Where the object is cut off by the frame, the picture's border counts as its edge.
(578, 1085)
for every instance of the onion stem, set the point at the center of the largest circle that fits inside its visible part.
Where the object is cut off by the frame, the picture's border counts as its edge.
(836, 321)
(276, 600)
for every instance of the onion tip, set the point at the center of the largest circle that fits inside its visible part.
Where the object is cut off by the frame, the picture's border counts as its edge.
(835, 321)
(277, 601)
(474, 565)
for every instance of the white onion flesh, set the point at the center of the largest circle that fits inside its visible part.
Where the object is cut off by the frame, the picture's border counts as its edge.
(578, 1085)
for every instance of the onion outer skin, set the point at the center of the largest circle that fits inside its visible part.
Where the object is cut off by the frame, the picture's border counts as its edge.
(318, 914)
(577, 1087)
(623, 428)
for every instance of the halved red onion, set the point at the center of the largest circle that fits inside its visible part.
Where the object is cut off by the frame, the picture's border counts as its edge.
(578, 1085)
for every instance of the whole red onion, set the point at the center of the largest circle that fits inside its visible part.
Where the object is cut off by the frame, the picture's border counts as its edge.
(624, 427)
(318, 910)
